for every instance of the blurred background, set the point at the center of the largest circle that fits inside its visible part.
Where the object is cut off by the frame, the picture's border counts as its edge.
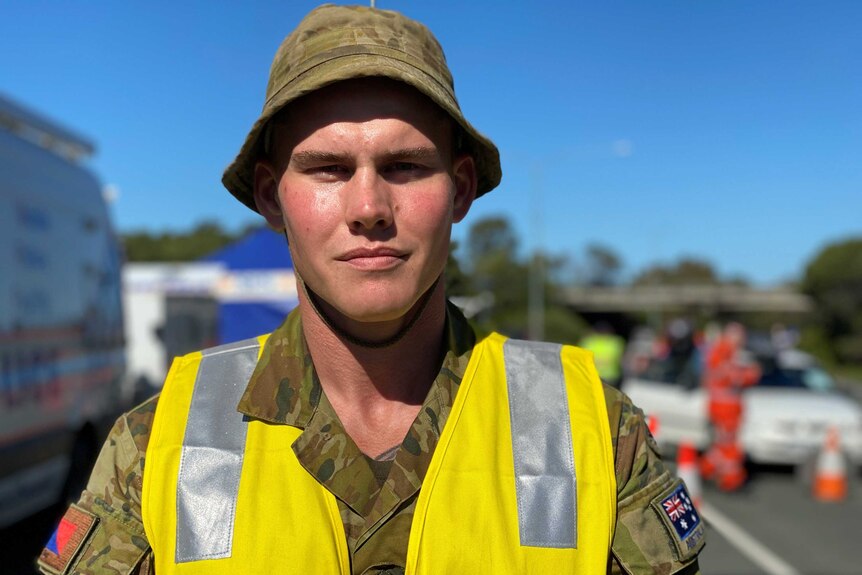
(682, 194)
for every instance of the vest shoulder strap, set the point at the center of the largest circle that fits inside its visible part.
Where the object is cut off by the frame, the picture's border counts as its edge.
(545, 479)
(212, 453)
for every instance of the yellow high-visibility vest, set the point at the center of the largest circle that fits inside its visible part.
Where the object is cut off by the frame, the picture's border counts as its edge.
(608, 352)
(521, 481)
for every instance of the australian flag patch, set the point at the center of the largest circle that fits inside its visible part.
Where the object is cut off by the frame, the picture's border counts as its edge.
(67, 539)
(679, 508)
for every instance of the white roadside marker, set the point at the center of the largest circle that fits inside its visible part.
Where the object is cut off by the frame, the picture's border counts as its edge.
(745, 543)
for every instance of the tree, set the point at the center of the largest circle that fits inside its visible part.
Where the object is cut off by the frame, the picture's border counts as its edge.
(457, 282)
(603, 265)
(492, 247)
(686, 271)
(204, 239)
(491, 237)
(496, 268)
(833, 279)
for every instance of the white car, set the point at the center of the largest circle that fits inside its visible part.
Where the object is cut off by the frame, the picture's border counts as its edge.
(785, 419)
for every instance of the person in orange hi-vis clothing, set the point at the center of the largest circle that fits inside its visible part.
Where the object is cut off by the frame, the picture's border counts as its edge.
(725, 376)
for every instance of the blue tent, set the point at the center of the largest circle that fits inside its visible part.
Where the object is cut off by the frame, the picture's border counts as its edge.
(258, 289)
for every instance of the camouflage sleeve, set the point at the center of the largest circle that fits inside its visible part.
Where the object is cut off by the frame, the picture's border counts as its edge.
(103, 532)
(646, 540)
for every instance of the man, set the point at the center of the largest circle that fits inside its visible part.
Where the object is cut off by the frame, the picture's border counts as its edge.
(727, 373)
(374, 431)
(607, 349)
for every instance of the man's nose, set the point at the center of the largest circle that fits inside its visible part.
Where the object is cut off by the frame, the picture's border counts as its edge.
(369, 201)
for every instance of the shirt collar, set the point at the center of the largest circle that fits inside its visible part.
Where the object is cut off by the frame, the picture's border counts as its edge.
(284, 387)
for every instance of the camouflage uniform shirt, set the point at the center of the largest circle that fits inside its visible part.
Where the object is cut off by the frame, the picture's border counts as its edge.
(376, 499)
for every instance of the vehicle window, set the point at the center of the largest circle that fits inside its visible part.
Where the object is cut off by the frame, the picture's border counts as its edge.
(678, 371)
(782, 378)
(817, 379)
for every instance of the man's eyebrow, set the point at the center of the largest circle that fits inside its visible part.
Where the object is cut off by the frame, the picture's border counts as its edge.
(412, 154)
(316, 157)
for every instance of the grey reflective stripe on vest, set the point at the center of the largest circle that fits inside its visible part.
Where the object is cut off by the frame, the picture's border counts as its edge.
(213, 446)
(542, 444)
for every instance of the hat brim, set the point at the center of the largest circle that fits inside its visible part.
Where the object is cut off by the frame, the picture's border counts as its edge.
(238, 178)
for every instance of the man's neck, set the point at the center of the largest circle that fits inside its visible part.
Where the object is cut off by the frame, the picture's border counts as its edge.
(377, 392)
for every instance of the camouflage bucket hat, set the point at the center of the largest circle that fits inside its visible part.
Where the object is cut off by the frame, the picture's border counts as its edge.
(335, 43)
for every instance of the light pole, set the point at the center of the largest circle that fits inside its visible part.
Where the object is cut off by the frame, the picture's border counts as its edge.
(536, 286)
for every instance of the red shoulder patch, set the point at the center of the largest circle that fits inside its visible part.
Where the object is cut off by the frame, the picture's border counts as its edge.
(67, 539)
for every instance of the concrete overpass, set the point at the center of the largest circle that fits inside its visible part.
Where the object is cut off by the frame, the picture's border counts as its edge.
(681, 298)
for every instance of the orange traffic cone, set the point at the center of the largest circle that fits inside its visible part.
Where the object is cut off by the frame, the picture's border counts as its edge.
(688, 469)
(708, 464)
(830, 474)
(731, 467)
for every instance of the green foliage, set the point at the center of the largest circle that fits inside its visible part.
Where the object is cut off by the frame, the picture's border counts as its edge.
(849, 348)
(204, 239)
(833, 278)
(491, 238)
(603, 265)
(838, 265)
(815, 341)
(492, 247)
(686, 271)
(457, 283)
(562, 325)
(496, 268)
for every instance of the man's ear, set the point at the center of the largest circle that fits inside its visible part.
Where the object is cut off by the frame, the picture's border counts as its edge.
(266, 194)
(464, 175)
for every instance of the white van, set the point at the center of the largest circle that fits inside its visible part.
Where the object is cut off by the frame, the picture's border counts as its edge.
(61, 331)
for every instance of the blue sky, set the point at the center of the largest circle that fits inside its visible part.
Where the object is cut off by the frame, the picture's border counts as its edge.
(729, 131)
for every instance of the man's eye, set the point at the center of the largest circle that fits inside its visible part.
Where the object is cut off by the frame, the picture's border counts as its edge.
(403, 166)
(327, 171)
(332, 169)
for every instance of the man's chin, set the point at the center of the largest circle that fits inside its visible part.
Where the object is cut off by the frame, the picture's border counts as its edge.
(376, 316)
(380, 304)
(377, 310)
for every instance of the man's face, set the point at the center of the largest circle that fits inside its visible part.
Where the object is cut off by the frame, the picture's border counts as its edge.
(367, 190)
